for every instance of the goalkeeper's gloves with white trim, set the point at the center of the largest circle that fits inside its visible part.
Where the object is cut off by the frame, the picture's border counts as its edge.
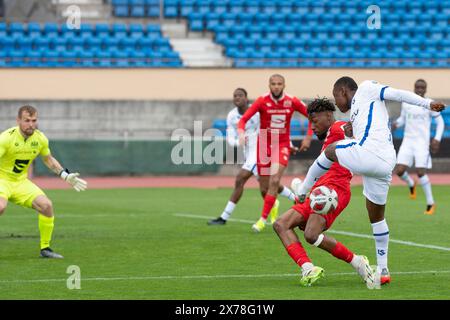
(72, 178)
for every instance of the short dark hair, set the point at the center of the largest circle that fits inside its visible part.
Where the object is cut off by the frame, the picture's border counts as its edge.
(420, 80)
(28, 109)
(346, 82)
(320, 105)
(243, 90)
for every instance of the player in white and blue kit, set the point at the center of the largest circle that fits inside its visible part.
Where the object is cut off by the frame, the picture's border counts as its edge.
(248, 169)
(415, 147)
(370, 153)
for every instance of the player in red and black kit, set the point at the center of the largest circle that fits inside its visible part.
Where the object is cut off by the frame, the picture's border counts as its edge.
(274, 145)
(326, 128)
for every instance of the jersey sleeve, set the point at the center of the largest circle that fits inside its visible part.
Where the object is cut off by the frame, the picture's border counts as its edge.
(254, 108)
(232, 134)
(337, 133)
(300, 106)
(440, 125)
(373, 90)
(45, 150)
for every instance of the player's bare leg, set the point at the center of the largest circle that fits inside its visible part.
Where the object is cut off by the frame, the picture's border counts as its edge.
(381, 234)
(313, 235)
(264, 185)
(270, 199)
(284, 228)
(426, 185)
(402, 172)
(239, 183)
(46, 223)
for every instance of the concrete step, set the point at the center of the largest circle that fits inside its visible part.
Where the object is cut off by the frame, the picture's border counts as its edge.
(174, 30)
(196, 44)
(207, 64)
(89, 9)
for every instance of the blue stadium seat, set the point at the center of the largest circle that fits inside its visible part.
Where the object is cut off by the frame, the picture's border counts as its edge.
(121, 11)
(187, 7)
(137, 11)
(153, 10)
(171, 8)
(196, 21)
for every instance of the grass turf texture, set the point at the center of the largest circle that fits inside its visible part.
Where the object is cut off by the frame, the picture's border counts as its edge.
(129, 245)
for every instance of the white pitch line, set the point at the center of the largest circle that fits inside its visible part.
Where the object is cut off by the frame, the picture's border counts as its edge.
(351, 234)
(219, 276)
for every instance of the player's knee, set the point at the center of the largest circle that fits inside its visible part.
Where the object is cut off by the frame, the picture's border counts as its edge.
(310, 236)
(46, 206)
(420, 173)
(240, 182)
(400, 171)
(275, 182)
(279, 226)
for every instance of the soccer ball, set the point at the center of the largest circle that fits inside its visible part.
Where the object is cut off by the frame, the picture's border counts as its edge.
(295, 184)
(323, 200)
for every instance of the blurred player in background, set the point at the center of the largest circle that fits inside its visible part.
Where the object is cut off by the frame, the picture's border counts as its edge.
(301, 215)
(240, 100)
(19, 146)
(415, 148)
(371, 153)
(273, 145)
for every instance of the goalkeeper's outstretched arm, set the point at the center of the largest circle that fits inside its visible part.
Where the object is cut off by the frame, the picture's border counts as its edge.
(71, 178)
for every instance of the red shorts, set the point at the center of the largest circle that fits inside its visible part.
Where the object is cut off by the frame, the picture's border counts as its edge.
(264, 160)
(344, 195)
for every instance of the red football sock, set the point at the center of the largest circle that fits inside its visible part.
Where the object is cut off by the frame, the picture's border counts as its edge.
(341, 252)
(269, 201)
(298, 253)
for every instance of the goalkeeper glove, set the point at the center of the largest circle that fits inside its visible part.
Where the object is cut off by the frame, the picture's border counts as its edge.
(72, 178)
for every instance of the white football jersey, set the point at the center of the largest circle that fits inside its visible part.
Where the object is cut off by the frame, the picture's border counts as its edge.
(417, 123)
(370, 120)
(251, 131)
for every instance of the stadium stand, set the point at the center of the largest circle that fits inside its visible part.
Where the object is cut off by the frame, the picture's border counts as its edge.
(325, 34)
(254, 34)
(93, 45)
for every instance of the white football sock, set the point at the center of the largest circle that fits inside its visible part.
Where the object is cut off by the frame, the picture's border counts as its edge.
(306, 267)
(426, 185)
(355, 261)
(288, 193)
(381, 234)
(228, 210)
(405, 177)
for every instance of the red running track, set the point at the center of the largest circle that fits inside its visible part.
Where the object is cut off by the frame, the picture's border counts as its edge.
(205, 182)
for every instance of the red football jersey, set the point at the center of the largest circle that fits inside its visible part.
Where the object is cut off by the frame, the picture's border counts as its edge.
(337, 175)
(275, 115)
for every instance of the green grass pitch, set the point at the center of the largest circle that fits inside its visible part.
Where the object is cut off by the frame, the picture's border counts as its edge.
(133, 244)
